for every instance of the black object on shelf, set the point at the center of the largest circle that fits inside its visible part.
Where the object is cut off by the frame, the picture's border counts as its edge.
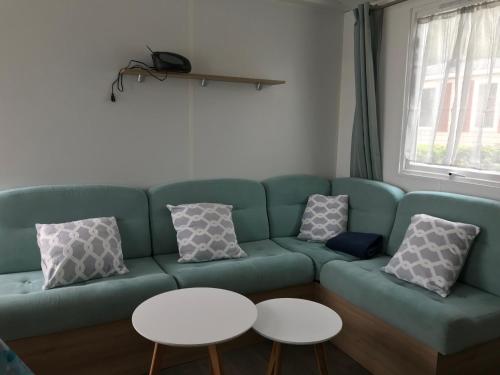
(170, 61)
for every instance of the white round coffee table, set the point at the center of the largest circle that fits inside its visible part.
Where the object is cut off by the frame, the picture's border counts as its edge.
(296, 322)
(193, 317)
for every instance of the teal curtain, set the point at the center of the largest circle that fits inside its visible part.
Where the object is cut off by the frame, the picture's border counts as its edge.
(366, 160)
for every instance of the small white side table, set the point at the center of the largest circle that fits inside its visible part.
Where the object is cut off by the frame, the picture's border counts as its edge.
(296, 322)
(193, 317)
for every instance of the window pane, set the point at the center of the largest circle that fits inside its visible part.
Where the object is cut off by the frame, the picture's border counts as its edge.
(427, 107)
(445, 113)
(485, 111)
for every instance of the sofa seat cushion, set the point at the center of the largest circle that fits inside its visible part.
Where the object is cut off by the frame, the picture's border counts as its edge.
(317, 251)
(468, 316)
(26, 310)
(267, 267)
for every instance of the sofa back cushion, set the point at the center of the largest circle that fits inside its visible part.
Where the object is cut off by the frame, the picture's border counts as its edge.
(21, 209)
(287, 199)
(372, 205)
(247, 198)
(483, 262)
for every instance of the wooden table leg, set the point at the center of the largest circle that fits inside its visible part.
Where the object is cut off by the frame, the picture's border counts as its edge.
(155, 362)
(272, 360)
(274, 366)
(319, 350)
(215, 362)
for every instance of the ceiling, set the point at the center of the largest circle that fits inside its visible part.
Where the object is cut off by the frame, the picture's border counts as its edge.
(344, 5)
(349, 4)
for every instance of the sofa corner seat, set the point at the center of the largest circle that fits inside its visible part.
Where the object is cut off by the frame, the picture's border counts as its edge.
(372, 204)
(372, 208)
(317, 251)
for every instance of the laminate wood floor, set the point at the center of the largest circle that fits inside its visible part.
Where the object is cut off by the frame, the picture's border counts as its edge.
(252, 360)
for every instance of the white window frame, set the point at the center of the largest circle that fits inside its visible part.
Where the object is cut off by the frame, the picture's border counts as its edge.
(409, 168)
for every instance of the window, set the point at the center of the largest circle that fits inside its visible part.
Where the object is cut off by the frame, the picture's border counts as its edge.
(452, 100)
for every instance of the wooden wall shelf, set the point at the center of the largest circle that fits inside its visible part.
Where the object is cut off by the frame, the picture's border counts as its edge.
(204, 78)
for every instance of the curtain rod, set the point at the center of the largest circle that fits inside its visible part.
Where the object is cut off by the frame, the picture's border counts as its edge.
(386, 5)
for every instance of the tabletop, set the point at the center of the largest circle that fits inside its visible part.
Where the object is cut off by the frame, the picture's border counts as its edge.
(296, 321)
(194, 317)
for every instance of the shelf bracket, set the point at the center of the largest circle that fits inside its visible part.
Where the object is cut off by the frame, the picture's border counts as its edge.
(258, 86)
(204, 82)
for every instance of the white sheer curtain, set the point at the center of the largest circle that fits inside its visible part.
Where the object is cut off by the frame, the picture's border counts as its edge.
(454, 105)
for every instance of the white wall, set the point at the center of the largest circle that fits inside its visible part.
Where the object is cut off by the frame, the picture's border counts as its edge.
(57, 125)
(393, 63)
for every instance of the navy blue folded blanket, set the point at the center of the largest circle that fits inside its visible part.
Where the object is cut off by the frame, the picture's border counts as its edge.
(360, 245)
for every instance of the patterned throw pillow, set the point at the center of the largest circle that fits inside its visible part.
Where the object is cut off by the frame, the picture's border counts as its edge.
(432, 253)
(324, 217)
(79, 251)
(205, 232)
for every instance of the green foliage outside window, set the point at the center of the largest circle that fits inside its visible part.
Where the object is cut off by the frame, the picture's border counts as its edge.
(489, 156)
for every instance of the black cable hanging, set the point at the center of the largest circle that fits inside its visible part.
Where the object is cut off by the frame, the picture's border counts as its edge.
(135, 64)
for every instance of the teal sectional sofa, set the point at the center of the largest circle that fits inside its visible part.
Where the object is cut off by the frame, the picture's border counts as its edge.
(399, 317)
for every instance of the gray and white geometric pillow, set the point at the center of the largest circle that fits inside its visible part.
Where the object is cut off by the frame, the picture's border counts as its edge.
(205, 232)
(324, 217)
(79, 251)
(432, 253)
